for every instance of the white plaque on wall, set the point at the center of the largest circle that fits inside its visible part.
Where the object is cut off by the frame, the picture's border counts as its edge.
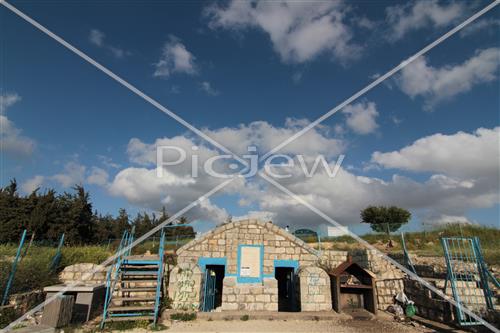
(250, 259)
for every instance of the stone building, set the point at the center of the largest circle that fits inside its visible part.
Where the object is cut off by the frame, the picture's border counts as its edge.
(249, 265)
(253, 265)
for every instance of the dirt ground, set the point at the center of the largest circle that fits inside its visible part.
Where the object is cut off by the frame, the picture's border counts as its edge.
(347, 326)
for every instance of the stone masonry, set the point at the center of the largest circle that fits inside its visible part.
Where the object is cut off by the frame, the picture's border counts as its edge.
(80, 272)
(315, 293)
(223, 241)
(390, 279)
(185, 286)
(250, 297)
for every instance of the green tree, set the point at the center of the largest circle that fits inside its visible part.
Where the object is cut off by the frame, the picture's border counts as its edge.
(385, 219)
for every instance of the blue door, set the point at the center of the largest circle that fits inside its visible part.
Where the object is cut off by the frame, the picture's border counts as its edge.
(209, 292)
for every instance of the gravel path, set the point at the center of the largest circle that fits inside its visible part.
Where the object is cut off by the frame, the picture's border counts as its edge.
(292, 326)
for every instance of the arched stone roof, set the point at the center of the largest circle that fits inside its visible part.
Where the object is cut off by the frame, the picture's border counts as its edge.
(231, 225)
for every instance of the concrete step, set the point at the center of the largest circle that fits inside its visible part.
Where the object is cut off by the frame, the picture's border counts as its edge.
(131, 308)
(138, 289)
(127, 279)
(134, 299)
(152, 257)
(112, 319)
(142, 272)
(143, 267)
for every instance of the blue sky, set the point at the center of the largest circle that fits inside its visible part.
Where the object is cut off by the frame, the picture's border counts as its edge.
(426, 139)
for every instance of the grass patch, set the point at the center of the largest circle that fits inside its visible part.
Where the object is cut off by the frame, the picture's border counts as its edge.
(127, 325)
(427, 243)
(33, 270)
(183, 316)
(7, 316)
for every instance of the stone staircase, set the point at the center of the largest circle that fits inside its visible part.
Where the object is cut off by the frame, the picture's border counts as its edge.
(138, 290)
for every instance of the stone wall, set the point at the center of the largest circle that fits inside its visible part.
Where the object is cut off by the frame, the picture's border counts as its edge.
(184, 286)
(81, 272)
(331, 259)
(315, 292)
(223, 242)
(25, 301)
(427, 303)
(390, 279)
(250, 297)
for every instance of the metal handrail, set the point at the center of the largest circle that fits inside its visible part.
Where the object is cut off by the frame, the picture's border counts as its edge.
(5, 297)
(111, 283)
(57, 257)
(161, 253)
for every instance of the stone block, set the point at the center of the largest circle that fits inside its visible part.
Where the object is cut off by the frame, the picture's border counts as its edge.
(229, 306)
(263, 298)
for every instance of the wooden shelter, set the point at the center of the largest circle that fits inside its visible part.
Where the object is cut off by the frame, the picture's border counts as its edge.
(353, 287)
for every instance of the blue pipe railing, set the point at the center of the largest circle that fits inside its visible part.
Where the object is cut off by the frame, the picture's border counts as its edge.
(57, 257)
(159, 281)
(111, 282)
(5, 298)
(407, 260)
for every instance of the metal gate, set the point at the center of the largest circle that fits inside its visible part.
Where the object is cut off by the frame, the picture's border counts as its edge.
(209, 291)
(468, 275)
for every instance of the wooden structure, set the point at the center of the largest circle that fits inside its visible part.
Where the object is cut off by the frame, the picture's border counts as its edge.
(353, 287)
(58, 312)
(88, 299)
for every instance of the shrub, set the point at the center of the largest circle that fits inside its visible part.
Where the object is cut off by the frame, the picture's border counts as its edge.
(7, 315)
(183, 316)
(244, 317)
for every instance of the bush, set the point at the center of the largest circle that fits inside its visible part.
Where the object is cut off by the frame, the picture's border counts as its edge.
(183, 316)
(244, 317)
(7, 315)
(33, 270)
(127, 325)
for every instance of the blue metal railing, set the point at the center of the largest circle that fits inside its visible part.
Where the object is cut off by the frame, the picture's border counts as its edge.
(407, 260)
(57, 257)
(466, 272)
(161, 253)
(111, 282)
(5, 297)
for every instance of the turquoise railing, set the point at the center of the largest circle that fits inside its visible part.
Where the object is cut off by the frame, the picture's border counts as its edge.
(57, 257)
(5, 298)
(161, 253)
(407, 260)
(114, 267)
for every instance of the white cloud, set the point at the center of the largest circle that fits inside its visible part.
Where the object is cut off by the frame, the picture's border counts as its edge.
(441, 220)
(438, 84)
(299, 31)
(208, 89)
(98, 176)
(32, 184)
(422, 14)
(463, 155)
(361, 117)
(175, 58)
(98, 37)
(265, 137)
(457, 182)
(12, 141)
(490, 25)
(8, 99)
(73, 174)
